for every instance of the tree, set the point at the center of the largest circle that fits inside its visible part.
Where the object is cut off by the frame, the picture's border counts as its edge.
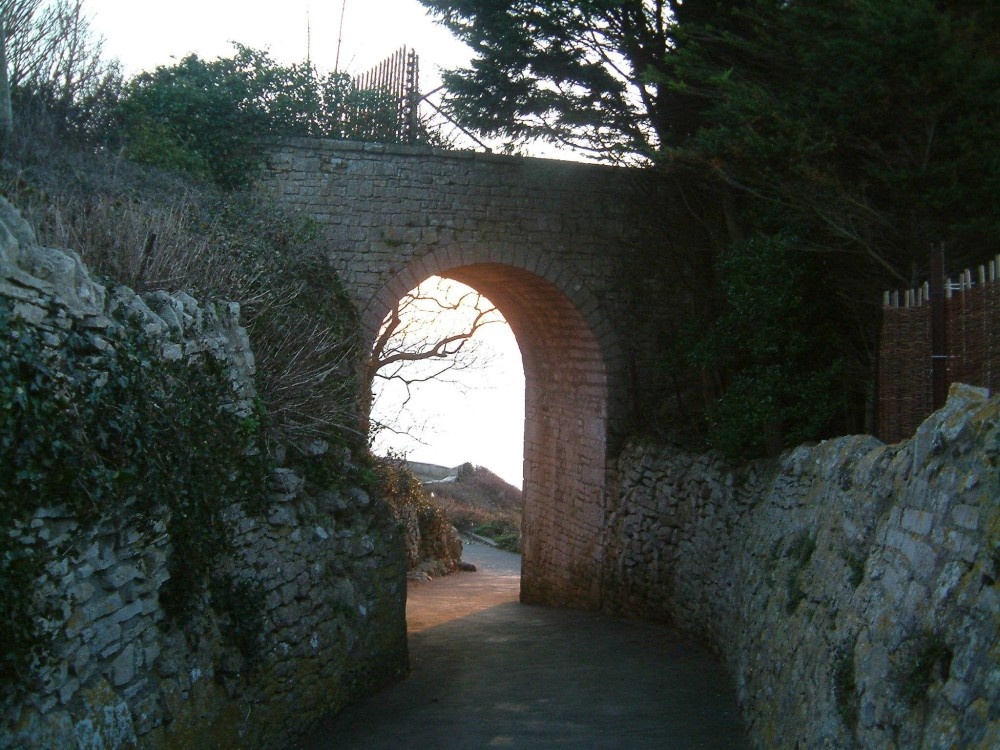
(429, 333)
(864, 129)
(208, 117)
(51, 65)
(871, 123)
(16, 17)
(829, 142)
(580, 74)
(51, 48)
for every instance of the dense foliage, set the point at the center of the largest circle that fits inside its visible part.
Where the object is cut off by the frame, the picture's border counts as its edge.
(569, 72)
(863, 130)
(813, 149)
(208, 117)
(204, 118)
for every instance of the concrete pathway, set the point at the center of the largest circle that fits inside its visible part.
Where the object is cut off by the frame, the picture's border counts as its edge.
(489, 672)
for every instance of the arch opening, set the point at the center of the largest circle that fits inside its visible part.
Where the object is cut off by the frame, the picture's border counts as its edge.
(565, 426)
(450, 390)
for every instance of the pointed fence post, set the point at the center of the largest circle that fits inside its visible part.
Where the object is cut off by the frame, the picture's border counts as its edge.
(939, 329)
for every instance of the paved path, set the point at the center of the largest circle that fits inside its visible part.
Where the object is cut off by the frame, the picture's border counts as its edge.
(490, 672)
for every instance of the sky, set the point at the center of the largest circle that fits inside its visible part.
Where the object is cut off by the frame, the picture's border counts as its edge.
(479, 420)
(143, 34)
(475, 415)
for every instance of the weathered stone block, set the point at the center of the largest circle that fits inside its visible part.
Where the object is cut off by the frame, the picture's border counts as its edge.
(917, 521)
(966, 516)
(123, 667)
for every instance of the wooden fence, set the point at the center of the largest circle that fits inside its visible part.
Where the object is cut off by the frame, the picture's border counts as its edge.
(971, 346)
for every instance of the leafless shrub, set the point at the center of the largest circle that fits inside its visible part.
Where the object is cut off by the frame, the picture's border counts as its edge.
(52, 47)
(150, 232)
(303, 376)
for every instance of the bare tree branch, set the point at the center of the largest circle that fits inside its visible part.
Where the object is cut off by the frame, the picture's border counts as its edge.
(428, 334)
(51, 46)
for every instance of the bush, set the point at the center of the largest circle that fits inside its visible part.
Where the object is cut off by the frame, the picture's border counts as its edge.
(774, 347)
(503, 530)
(151, 231)
(427, 531)
(207, 118)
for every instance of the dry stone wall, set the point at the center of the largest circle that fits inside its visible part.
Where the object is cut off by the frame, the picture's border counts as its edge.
(122, 676)
(317, 582)
(852, 587)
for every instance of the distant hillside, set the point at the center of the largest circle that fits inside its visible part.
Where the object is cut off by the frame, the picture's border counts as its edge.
(477, 500)
(478, 486)
(430, 473)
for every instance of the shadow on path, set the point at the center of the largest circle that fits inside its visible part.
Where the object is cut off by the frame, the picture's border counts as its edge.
(490, 672)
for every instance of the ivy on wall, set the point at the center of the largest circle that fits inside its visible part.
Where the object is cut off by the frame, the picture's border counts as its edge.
(116, 435)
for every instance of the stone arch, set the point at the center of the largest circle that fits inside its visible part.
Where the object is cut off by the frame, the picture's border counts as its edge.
(566, 345)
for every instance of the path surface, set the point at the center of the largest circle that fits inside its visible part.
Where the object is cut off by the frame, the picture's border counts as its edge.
(490, 672)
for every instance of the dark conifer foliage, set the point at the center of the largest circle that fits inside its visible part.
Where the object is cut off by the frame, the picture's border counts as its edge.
(820, 144)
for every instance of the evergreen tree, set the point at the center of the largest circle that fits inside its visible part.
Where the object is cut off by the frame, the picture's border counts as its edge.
(824, 144)
(589, 75)
(208, 117)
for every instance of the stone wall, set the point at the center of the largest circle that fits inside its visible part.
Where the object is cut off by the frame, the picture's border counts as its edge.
(432, 545)
(317, 583)
(331, 624)
(852, 587)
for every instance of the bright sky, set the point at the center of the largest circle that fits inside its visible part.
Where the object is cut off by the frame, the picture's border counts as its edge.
(144, 34)
(474, 415)
(480, 420)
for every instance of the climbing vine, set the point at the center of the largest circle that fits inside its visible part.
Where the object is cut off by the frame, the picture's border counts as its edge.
(114, 434)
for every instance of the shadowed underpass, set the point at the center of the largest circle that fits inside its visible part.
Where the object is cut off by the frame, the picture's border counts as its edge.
(489, 672)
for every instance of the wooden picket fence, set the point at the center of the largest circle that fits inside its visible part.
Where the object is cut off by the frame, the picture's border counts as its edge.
(970, 353)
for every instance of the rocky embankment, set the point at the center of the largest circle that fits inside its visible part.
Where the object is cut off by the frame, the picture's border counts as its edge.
(300, 612)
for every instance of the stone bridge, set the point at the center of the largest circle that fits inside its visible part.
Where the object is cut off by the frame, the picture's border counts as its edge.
(550, 244)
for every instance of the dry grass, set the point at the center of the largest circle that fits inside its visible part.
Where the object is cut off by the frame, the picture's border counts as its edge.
(149, 230)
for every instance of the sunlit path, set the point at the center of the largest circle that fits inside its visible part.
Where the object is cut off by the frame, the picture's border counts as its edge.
(488, 671)
(496, 581)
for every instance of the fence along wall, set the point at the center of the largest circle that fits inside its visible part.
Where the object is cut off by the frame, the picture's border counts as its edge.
(972, 311)
(398, 77)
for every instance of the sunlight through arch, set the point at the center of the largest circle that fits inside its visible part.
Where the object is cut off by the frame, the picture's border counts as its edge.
(437, 412)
